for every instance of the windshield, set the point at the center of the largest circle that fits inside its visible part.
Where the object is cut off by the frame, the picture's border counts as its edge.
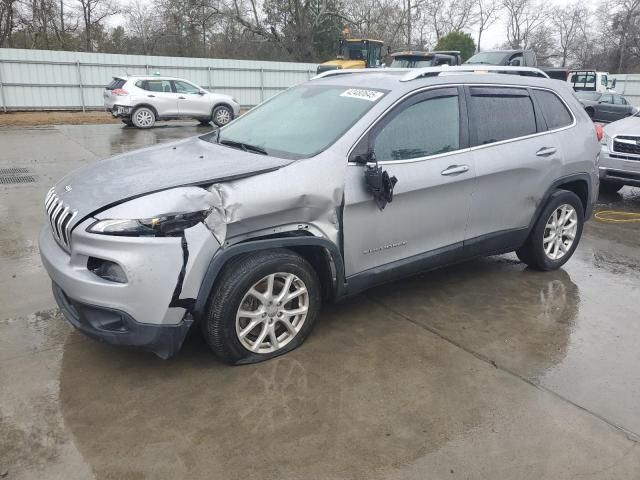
(411, 62)
(488, 58)
(300, 122)
(591, 96)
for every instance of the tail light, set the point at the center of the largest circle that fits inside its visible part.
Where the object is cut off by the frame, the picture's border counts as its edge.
(119, 91)
(599, 130)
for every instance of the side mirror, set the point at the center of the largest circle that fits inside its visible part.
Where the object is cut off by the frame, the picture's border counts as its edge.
(202, 92)
(514, 63)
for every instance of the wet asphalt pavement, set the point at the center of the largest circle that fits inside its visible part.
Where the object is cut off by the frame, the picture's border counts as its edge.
(480, 370)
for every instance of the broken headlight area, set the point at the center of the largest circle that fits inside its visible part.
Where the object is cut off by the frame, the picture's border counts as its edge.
(161, 226)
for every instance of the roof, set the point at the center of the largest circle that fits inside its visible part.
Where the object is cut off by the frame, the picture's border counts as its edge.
(362, 39)
(407, 79)
(148, 77)
(411, 53)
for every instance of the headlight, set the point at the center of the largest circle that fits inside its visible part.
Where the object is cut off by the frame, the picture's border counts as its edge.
(606, 140)
(235, 101)
(160, 226)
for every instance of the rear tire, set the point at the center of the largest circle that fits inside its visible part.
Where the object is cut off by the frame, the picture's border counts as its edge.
(538, 252)
(610, 187)
(143, 117)
(244, 295)
(222, 115)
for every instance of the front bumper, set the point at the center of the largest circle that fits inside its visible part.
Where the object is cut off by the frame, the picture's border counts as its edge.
(619, 168)
(150, 309)
(118, 328)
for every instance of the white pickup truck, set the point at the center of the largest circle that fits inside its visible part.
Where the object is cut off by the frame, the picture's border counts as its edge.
(591, 81)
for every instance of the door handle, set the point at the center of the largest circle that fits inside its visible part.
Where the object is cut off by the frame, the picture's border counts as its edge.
(182, 98)
(151, 96)
(546, 151)
(455, 170)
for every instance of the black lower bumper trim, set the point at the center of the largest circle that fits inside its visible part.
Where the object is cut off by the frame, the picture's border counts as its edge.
(119, 328)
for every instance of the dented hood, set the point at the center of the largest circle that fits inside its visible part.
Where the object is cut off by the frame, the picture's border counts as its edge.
(187, 162)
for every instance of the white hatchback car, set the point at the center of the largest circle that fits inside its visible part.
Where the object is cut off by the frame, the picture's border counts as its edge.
(142, 100)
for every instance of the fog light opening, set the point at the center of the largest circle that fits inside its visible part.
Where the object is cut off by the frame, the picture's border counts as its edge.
(106, 270)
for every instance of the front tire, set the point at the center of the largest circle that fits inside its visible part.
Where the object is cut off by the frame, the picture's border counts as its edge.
(555, 234)
(263, 305)
(222, 115)
(143, 117)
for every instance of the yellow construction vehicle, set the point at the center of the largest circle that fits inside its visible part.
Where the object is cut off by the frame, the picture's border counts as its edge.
(355, 52)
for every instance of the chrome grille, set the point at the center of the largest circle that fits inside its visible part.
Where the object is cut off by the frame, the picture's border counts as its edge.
(626, 144)
(60, 216)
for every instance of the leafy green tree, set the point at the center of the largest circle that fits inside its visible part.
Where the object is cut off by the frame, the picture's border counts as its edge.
(457, 40)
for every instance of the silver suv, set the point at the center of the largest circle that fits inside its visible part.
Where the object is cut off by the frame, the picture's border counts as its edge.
(349, 180)
(142, 100)
(620, 158)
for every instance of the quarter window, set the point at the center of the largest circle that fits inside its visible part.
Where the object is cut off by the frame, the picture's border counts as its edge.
(501, 113)
(425, 128)
(554, 111)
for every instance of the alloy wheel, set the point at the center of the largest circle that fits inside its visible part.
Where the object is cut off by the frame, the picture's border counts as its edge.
(223, 116)
(272, 312)
(560, 232)
(144, 118)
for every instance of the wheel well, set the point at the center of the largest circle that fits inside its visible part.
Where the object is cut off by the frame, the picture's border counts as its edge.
(580, 188)
(222, 104)
(151, 107)
(318, 256)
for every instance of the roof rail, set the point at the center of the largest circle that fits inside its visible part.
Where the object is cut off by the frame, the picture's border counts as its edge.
(415, 73)
(330, 73)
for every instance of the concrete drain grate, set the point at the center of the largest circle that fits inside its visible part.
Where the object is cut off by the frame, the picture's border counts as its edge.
(16, 176)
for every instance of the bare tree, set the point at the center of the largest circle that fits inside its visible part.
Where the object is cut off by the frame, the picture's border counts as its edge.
(567, 22)
(93, 13)
(7, 13)
(524, 17)
(143, 22)
(487, 12)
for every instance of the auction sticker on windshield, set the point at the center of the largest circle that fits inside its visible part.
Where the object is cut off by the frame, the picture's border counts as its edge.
(371, 95)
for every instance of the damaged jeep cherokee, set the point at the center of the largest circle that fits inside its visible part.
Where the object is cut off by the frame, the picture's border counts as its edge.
(350, 180)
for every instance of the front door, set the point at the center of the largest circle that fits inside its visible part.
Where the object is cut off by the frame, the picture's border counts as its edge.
(422, 142)
(191, 102)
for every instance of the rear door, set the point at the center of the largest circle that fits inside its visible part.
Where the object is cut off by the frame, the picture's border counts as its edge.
(621, 107)
(190, 102)
(516, 161)
(423, 143)
(159, 93)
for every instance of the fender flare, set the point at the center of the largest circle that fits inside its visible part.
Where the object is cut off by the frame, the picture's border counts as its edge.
(557, 185)
(221, 257)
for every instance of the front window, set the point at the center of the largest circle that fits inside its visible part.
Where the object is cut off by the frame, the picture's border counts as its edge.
(300, 122)
(184, 87)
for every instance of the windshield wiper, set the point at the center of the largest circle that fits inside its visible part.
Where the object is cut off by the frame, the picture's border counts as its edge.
(243, 146)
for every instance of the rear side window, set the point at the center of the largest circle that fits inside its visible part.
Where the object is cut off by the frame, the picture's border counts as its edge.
(157, 86)
(618, 100)
(501, 114)
(554, 111)
(116, 83)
